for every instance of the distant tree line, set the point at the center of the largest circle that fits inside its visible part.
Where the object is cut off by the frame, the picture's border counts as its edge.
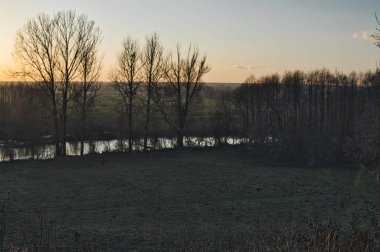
(297, 116)
(21, 116)
(305, 116)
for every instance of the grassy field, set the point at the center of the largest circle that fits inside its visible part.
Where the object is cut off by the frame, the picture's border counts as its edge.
(137, 199)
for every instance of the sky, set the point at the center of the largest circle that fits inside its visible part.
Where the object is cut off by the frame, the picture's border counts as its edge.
(239, 37)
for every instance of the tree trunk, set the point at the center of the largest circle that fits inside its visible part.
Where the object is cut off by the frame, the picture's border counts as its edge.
(130, 129)
(56, 128)
(323, 107)
(179, 138)
(146, 128)
(83, 122)
(81, 147)
(64, 122)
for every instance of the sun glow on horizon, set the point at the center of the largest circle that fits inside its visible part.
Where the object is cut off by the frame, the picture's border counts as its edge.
(239, 39)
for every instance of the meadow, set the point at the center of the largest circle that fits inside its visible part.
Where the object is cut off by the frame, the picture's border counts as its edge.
(144, 200)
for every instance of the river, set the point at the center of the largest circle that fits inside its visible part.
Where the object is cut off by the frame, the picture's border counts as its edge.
(47, 151)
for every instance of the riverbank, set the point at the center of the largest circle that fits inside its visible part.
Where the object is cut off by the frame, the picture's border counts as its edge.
(139, 198)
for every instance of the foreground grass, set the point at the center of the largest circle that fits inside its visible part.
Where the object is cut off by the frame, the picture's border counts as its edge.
(135, 200)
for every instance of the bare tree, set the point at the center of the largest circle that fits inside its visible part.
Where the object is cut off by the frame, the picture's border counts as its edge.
(49, 51)
(224, 115)
(127, 78)
(153, 71)
(184, 80)
(376, 35)
(89, 72)
(36, 54)
(74, 34)
(221, 116)
(244, 101)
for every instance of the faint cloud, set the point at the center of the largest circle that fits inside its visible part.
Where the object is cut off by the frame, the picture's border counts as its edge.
(257, 70)
(362, 35)
(247, 67)
(239, 67)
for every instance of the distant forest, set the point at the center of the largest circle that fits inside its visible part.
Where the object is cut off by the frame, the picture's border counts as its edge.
(308, 117)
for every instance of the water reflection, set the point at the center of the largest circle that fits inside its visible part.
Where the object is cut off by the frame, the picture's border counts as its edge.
(73, 148)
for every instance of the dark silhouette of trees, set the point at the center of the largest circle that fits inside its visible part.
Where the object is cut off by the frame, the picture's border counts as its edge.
(183, 83)
(76, 36)
(244, 102)
(127, 78)
(87, 89)
(153, 71)
(312, 117)
(303, 116)
(254, 101)
(21, 114)
(223, 117)
(35, 51)
(364, 144)
(49, 51)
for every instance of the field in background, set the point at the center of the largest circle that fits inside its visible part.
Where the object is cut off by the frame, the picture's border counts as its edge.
(140, 198)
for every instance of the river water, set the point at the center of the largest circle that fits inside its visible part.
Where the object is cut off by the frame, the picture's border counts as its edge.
(47, 151)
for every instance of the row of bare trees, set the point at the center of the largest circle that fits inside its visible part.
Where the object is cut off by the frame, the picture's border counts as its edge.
(304, 114)
(60, 54)
(169, 82)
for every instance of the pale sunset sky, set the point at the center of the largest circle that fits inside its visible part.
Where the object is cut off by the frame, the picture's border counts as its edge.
(239, 37)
